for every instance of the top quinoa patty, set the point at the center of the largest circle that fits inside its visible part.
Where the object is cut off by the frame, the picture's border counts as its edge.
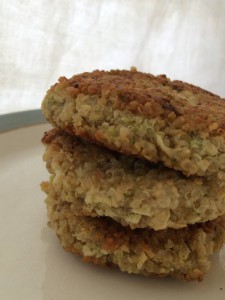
(152, 117)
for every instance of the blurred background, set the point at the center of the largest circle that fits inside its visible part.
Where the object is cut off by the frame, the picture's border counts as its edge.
(43, 40)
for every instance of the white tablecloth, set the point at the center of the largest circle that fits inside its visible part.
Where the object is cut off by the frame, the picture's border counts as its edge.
(42, 40)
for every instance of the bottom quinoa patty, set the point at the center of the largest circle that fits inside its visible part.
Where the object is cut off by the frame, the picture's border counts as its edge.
(182, 253)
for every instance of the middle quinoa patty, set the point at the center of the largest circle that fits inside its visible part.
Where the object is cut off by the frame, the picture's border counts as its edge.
(100, 182)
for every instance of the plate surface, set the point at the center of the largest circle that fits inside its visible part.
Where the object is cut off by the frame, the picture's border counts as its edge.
(32, 262)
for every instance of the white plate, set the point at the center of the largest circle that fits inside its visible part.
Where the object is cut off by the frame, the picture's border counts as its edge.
(32, 262)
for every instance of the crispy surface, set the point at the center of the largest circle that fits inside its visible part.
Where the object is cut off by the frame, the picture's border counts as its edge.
(131, 191)
(182, 253)
(149, 116)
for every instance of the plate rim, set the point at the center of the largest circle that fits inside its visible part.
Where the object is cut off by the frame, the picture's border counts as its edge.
(20, 119)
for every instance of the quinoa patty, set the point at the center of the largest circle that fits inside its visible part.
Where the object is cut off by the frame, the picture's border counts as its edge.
(101, 182)
(148, 116)
(182, 253)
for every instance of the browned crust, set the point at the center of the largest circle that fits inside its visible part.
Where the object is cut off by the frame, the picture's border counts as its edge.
(50, 136)
(150, 96)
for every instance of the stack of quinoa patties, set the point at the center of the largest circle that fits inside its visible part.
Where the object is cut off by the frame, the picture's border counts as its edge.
(136, 167)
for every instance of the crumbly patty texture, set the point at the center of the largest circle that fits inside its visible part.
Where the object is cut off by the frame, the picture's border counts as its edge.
(152, 117)
(100, 182)
(182, 253)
